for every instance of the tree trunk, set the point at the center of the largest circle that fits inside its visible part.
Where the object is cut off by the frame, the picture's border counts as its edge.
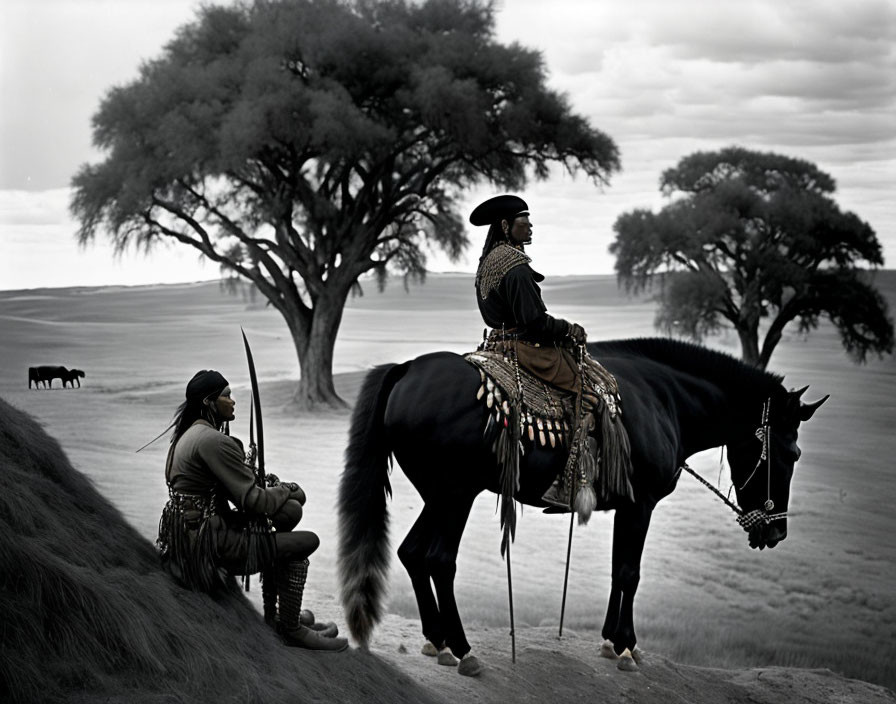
(749, 347)
(314, 346)
(747, 325)
(772, 338)
(776, 330)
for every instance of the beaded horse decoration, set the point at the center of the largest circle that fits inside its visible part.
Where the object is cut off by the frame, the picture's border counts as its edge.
(526, 410)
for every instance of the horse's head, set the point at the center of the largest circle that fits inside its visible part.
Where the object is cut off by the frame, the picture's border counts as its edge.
(762, 456)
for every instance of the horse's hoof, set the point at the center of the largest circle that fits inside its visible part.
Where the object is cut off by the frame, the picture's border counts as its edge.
(627, 662)
(469, 666)
(637, 655)
(446, 657)
(429, 649)
(606, 650)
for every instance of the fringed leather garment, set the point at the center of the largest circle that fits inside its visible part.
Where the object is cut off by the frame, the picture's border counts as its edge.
(186, 543)
(201, 538)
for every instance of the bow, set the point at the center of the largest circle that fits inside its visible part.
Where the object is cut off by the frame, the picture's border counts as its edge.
(256, 408)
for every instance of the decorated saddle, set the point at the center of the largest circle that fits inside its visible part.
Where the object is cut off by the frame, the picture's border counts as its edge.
(586, 426)
(546, 414)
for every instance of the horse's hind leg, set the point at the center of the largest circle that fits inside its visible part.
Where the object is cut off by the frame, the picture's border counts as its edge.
(441, 564)
(412, 553)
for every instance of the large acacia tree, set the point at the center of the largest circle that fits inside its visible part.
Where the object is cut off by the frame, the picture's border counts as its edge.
(750, 238)
(301, 144)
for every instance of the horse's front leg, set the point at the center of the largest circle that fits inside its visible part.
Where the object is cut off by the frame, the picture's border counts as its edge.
(629, 534)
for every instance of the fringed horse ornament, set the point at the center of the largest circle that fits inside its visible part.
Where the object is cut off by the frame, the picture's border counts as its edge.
(592, 440)
(522, 411)
(680, 399)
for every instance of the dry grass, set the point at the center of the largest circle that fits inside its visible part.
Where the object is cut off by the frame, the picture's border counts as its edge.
(89, 615)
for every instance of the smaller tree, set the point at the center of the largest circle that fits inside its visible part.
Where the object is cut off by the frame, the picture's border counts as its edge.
(749, 236)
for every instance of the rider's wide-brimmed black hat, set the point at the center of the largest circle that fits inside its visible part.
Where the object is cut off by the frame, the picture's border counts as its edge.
(506, 207)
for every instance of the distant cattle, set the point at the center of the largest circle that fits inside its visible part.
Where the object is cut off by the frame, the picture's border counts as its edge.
(44, 375)
(34, 376)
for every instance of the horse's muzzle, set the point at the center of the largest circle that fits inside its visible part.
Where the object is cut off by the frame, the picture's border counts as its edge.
(767, 535)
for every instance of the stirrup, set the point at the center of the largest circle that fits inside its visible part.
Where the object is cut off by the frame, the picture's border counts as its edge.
(558, 498)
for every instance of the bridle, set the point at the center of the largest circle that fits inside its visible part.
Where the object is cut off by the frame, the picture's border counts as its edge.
(749, 519)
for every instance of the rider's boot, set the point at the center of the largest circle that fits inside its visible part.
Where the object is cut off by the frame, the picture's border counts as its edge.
(580, 465)
(559, 495)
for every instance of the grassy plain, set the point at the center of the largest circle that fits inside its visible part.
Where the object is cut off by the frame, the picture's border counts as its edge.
(823, 598)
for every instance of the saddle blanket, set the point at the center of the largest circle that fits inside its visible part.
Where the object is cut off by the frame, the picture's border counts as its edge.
(547, 414)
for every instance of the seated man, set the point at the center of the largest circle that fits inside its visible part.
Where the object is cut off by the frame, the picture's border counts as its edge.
(553, 349)
(202, 539)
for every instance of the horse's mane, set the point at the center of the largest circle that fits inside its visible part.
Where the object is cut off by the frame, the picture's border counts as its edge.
(691, 358)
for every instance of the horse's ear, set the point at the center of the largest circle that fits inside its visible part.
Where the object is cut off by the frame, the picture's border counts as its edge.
(807, 410)
(797, 393)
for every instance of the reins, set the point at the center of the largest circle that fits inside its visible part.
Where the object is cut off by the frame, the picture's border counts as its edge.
(734, 507)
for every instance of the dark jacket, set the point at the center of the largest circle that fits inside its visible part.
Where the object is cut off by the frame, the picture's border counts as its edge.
(509, 297)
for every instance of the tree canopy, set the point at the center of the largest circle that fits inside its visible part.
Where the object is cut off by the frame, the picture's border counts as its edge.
(749, 236)
(302, 144)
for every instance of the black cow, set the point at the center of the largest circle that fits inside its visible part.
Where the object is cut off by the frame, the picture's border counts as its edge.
(34, 376)
(45, 375)
(72, 377)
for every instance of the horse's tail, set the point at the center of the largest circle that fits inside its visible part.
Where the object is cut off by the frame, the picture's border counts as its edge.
(363, 560)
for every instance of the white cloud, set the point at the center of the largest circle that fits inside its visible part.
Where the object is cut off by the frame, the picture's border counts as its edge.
(814, 79)
(756, 31)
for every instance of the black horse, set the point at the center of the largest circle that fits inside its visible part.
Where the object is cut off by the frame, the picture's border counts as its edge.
(678, 399)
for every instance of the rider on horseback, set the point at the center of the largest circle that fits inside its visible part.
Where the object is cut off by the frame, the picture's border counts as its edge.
(553, 349)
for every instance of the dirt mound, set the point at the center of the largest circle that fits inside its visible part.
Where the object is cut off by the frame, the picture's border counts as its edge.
(88, 615)
(569, 669)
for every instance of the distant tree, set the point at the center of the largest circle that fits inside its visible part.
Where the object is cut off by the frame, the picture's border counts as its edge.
(749, 236)
(305, 143)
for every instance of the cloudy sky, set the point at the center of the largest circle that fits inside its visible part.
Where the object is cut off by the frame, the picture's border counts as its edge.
(814, 79)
